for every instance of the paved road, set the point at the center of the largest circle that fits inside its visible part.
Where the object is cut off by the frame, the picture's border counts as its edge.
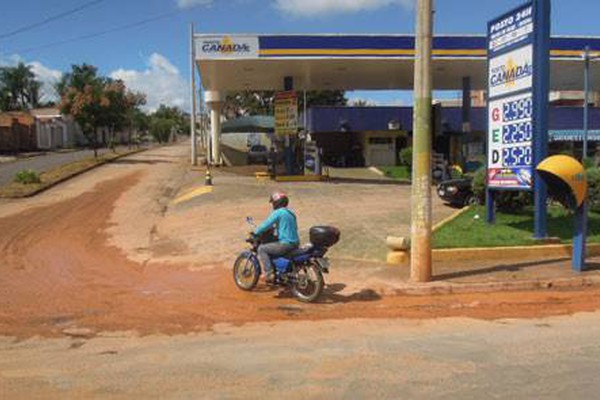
(556, 358)
(42, 163)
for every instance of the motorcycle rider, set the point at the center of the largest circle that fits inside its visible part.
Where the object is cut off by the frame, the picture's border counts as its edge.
(284, 221)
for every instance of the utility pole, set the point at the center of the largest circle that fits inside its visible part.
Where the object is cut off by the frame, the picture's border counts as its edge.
(586, 101)
(193, 94)
(420, 261)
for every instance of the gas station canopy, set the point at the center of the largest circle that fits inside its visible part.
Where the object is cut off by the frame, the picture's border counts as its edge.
(365, 62)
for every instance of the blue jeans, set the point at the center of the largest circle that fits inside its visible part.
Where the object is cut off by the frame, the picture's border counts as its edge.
(275, 249)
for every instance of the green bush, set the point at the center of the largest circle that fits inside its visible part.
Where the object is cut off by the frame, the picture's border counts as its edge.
(588, 163)
(27, 176)
(506, 200)
(593, 177)
(406, 158)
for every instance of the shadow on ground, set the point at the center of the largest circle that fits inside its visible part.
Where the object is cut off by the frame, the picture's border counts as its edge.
(505, 268)
(331, 295)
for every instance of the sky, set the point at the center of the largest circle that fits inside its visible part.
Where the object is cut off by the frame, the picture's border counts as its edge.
(146, 42)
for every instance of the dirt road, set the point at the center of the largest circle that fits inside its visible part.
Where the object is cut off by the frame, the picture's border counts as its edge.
(61, 270)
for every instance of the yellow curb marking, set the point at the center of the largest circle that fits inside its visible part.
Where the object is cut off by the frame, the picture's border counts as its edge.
(449, 219)
(193, 193)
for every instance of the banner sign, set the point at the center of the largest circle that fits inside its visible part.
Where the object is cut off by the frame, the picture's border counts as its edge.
(510, 105)
(286, 114)
(227, 47)
(573, 135)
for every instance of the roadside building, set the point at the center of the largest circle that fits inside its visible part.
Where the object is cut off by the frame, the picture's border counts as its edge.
(17, 132)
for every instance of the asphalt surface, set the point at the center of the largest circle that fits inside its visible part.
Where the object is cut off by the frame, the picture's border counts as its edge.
(43, 163)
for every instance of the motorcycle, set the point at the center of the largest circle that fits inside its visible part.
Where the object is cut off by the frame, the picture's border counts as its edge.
(301, 270)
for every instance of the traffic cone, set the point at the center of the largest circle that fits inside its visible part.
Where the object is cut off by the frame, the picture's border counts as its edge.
(208, 178)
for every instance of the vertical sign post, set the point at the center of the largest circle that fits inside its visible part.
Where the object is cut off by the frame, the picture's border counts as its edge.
(286, 122)
(518, 65)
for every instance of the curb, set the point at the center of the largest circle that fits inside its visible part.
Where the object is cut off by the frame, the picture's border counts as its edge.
(73, 175)
(445, 288)
(514, 253)
(449, 219)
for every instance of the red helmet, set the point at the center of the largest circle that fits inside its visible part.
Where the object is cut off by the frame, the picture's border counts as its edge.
(278, 200)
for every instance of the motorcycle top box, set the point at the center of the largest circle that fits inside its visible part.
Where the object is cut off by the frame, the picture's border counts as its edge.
(324, 236)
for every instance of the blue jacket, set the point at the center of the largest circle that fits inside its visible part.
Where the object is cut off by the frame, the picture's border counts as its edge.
(287, 227)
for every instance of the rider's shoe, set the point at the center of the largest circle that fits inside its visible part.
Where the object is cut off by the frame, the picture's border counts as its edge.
(270, 278)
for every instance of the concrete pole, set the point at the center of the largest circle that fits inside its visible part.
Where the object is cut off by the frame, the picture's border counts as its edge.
(586, 101)
(214, 101)
(193, 96)
(215, 120)
(422, 139)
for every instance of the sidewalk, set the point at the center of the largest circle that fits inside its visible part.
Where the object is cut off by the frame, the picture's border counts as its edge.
(467, 277)
(45, 161)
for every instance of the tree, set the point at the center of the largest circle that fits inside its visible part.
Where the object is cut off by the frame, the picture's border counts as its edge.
(322, 98)
(95, 101)
(245, 103)
(19, 90)
(180, 122)
(84, 98)
(161, 129)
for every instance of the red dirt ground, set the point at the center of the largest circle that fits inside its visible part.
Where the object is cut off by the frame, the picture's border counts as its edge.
(57, 271)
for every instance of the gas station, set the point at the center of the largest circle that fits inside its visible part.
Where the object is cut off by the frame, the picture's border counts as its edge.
(517, 64)
(359, 62)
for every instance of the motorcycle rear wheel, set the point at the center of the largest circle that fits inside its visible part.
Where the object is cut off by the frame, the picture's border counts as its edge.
(308, 283)
(245, 272)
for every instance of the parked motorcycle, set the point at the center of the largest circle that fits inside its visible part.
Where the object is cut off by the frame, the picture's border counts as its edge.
(301, 270)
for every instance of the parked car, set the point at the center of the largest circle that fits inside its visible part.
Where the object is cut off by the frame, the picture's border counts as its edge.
(258, 154)
(457, 192)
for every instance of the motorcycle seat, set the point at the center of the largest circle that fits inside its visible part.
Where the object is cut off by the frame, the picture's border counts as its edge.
(300, 251)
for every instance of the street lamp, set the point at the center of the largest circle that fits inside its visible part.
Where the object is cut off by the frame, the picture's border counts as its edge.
(587, 57)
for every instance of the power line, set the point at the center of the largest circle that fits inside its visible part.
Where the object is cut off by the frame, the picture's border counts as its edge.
(96, 34)
(50, 19)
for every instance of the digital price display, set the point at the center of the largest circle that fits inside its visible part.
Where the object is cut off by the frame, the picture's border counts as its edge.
(510, 153)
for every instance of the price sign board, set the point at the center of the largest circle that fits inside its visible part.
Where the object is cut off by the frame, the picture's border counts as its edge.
(510, 153)
(510, 105)
(286, 114)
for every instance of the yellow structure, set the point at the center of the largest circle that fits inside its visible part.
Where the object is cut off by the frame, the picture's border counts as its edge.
(566, 179)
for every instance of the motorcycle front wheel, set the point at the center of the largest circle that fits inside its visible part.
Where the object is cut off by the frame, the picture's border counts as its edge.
(308, 283)
(245, 272)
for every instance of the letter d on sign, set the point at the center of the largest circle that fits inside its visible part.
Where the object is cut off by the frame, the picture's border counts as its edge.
(495, 156)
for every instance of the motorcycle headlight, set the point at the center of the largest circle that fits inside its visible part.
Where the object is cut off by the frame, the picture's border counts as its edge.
(452, 189)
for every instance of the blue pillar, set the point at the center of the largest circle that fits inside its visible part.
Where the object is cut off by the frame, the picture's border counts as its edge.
(466, 104)
(288, 84)
(541, 79)
(579, 240)
(490, 207)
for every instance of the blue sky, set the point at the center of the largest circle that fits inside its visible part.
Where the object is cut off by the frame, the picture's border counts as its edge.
(154, 56)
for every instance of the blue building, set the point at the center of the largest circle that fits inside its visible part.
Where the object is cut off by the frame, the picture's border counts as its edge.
(364, 136)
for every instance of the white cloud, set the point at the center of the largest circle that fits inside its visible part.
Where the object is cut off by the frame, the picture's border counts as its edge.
(193, 3)
(161, 82)
(48, 77)
(313, 8)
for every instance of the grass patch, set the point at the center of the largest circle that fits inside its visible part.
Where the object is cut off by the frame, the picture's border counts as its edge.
(401, 172)
(56, 175)
(471, 230)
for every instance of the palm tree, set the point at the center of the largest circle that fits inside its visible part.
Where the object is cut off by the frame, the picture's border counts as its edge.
(19, 89)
